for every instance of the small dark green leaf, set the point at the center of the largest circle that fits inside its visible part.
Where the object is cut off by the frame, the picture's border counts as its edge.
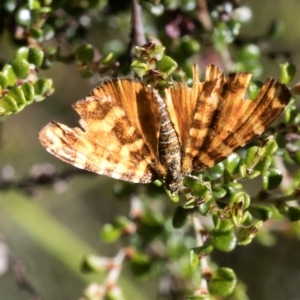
(166, 65)
(271, 147)
(293, 213)
(28, 91)
(290, 114)
(3, 80)
(287, 72)
(261, 212)
(110, 233)
(203, 250)
(223, 282)
(17, 94)
(216, 172)
(232, 163)
(246, 234)
(274, 179)
(140, 67)
(86, 72)
(36, 33)
(34, 4)
(157, 52)
(264, 164)
(20, 67)
(9, 74)
(223, 240)
(85, 53)
(21, 53)
(35, 56)
(221, 223)
(41, 87)
(93, 263)
(140, 264)
(188, 46)
(219, 192)
(8, 104)
(180, 216)
(249, 52)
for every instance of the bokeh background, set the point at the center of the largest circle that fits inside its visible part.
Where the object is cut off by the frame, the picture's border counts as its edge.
(50, 232)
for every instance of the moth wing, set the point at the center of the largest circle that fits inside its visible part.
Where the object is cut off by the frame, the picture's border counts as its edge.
(181, 102)
(231, 121)
(114, 139)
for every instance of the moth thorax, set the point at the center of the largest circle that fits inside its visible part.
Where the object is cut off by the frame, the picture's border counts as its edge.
(169, 150)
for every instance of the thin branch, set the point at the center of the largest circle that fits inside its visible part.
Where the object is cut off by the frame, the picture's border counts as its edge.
(138, 33)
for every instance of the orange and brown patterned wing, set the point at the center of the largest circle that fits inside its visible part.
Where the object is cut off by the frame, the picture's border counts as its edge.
(181, 102)
(115, 140)
(229, 121)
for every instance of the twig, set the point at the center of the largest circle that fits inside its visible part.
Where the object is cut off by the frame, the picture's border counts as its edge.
(138, 33)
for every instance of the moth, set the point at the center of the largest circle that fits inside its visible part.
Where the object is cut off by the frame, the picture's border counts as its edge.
(130, 131)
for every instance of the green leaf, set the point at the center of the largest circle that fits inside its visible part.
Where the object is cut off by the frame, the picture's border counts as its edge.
(203, 250)
(41, 87)
(232, 163)
(223, 282)
(85, 53)
(34, 4)
(139, 67)
(274, 178)
(218, 192)
(28, 91)
(249, 52)
(199, 188)
(20, 67)
(287, 72)
(261, 212)
(8, 105)
(166, 65)
(36, 33)
(251, 156)
(246, 234)
(157, 52)
(94, 263)
(21, 53)
(264, 164)
(3, 80)
(223, 240)
(180, 216)
(293, 213)
(194, 261)
(35, 56)
(17, 94)
(241, 198)
(271, 147)
(290, 114)
(9, 74)
(110, 233)
(140, 264)
(188, 46)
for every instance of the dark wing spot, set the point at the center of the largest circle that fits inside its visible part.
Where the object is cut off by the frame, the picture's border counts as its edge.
(122, 131)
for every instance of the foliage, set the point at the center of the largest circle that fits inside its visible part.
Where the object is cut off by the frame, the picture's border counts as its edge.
(159, 238)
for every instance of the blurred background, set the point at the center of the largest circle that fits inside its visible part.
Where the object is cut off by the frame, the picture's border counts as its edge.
(72, 217)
